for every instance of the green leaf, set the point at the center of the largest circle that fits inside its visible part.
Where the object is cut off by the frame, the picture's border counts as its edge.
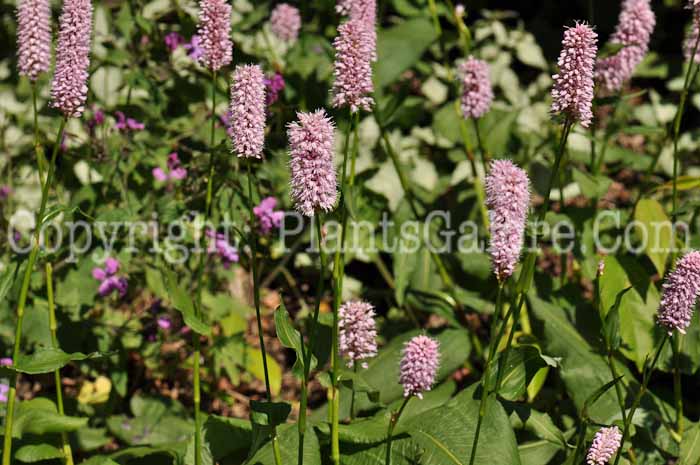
(523, 363)
(265, 418)
(538, 423)
(593, 398)
(611, 325)
(183, 303)
(593, 187)
(7, 278)
(37, 452)
(291, 338)
(609, 49)
(39, 416)
(288, 438)
(690, 446)
(656, 233)
(400, 47)
(48, 360)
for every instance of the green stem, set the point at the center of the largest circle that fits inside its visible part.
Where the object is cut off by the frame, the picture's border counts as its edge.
(312, 339)
(677, 392)
(67, 453)
(555, 169)
(504, 363)
(200, 280)
(493, 346)
(618, 388)
(580, 442)
(482, 150)
(39, 155)
(352, 396)
(392, 424)
(23, 293)
(638, 398)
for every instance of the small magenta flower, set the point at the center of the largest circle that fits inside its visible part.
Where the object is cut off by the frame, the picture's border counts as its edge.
(572, 93)
(357, 333)
(109, 281)
(314, 185)
(173, 40)
(273, 85)
(605, 444)
(220, 246)
(127, 124)
(164, 323)
(680, 292)
(214, 33)
(174, 172)
(353, 86)
(268, 218)
(419, 364)
(285, 22)
(6, 362)
(693, 34)
(34, 37)
(69, 87)
(194, 48)
(248, 111)
(507, 198)
(4, 390)
(634, 27)
(5, 192)
(477, 93)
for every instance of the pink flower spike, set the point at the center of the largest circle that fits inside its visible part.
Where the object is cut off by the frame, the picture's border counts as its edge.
(285, 22)
(69, 86)
(34, 37)
(353, 85)
(477, 93)
(364, 11)
(313, 177)
(572, 93)
(605, 444)
(159, 174)
(248, 111)
(680, 293)
(508, 199)
(214, 32)
(419, 365)
(692, 36)
(358, 332)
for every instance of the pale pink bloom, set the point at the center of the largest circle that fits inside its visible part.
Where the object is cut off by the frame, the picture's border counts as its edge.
(692, 37)
(69, 87)
(357, 333)
(605, 444)
(248, 111)
(419, 365)
(214, 32)
(353, 86)
(364, 11)
(477, 93)
(34, 37)
(285, 22)
(572, 93)
(680, 293)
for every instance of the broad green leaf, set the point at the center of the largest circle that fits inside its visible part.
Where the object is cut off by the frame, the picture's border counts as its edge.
(690, 446)
(400, 47)
(265, 417)
(538, 423)
(656, 232)
(522, 365)
(183, 303)
(37, 452)
(47, 360)
(291, 338)
(39, 416)
(289, 446)
(7, 278)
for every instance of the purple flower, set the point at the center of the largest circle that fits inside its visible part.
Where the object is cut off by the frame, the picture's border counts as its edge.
(477, 94)
(692, 37)
(127, 124)
(109, 281)
(219, 245)
(285, 22)
(5, 192)
(248, 111)
(69, 87)
(214, 31)
(4, 390)
(419, 364)
(572, 93)
(174, 172)
(633, 32)
(194, 48)
(274, 85)
(605, 444)
(680, 292)
(268, 218)
(173, 40)
(358, 332)
(34, 37)
(314, 185)
(98, 119)
(164, 323)
(353, 86)
(508, 199)
(6, 362)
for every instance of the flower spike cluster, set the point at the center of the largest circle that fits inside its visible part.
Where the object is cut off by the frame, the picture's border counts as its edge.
(508, 199)
(285, 22)
(248, 111)
(477, 93)
(69, 87)
(314, 184)
(214, 32)
(364, 11)
(419, 365)
(680, 293)
(605, 444)
(572, 93)
(692, 37)
(634, 28)
(34, 37)
(358, 332)
(353, 86)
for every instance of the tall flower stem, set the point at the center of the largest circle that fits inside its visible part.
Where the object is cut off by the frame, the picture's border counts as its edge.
(492, 353)
(338, 274)
(256, 300)
(677, 392)
(638, 398)
(392, 424)
(308, 353)
(37, 151)
(24, 292)
(200, 279)
(67, 453)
